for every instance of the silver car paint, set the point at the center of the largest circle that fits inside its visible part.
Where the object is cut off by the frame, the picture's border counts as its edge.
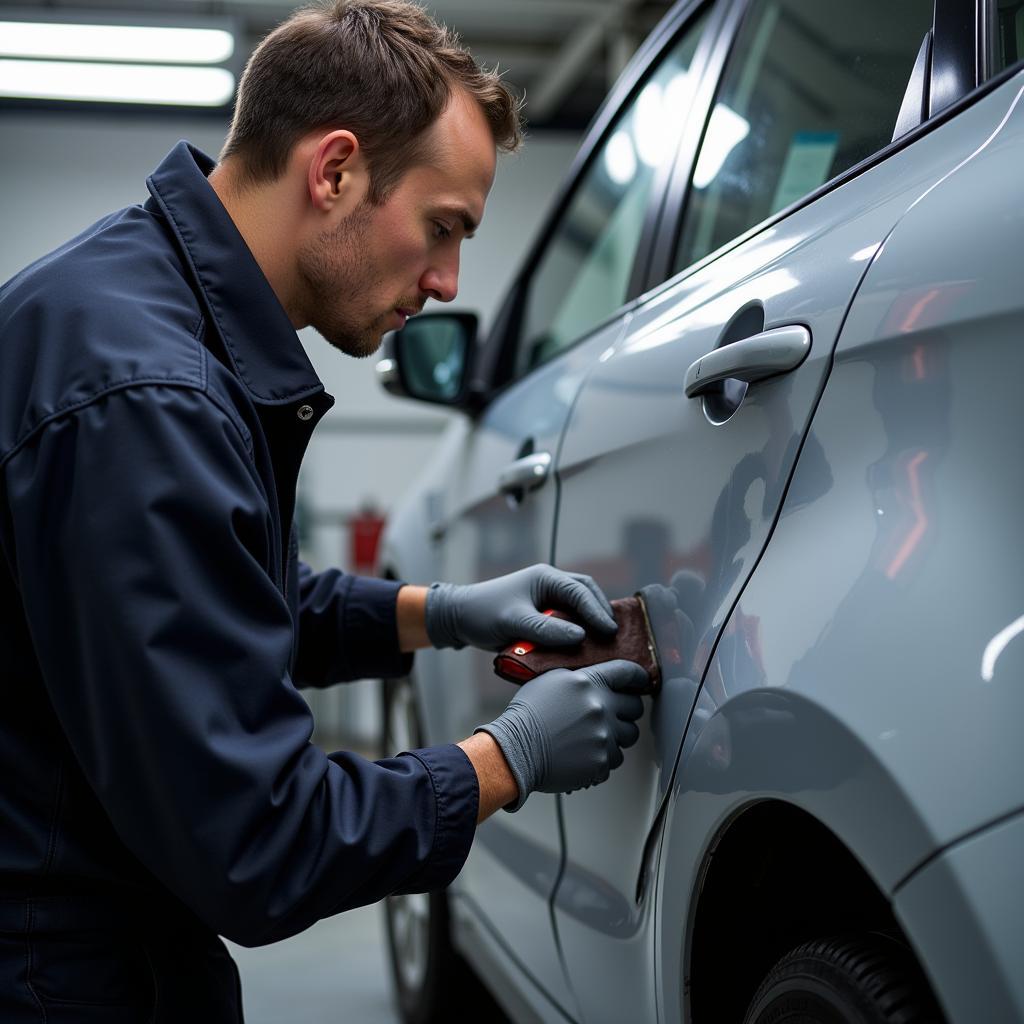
(516, 858)
(861, 682)
(812, 581)
(965, 911)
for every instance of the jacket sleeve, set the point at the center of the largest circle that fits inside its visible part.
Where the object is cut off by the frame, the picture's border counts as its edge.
(347, 628)
(142, 543)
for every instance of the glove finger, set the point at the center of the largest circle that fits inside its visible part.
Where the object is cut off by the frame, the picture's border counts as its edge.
(576, 596)
(620, 675)
(626, 733)
(615, 756)
(591, 584)
(626, 707)
(549, 631)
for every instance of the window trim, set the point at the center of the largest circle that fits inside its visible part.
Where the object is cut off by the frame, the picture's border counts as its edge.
(958, 51)
(666, 244)
(501, 364)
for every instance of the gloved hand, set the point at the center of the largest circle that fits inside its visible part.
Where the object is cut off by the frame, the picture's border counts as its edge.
(565, 730)
(492, 614)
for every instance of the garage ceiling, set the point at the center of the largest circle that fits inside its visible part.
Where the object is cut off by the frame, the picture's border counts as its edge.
(563, 54)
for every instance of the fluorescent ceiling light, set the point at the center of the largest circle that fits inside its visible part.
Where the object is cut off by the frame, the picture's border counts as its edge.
(116, 83)
(141, 44)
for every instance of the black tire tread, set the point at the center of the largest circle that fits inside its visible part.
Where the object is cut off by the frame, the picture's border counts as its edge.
(881, 968)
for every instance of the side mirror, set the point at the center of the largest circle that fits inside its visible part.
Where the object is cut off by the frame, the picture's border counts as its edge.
(430, 359)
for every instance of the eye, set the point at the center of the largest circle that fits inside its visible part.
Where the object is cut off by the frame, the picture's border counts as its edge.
(441, 230)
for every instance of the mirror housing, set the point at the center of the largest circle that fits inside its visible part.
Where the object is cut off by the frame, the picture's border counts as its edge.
(431, 360)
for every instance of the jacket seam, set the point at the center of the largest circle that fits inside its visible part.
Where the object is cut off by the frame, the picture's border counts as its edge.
(151, 1019)
(204, 375)
(200, 348)
(29, 916)
(440, 815)
(58, 799)
(243, 430)
(121, 385)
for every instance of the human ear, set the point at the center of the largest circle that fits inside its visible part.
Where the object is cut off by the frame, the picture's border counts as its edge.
(336, 171)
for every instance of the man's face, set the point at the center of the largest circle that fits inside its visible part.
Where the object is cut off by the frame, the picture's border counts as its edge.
(370, 271)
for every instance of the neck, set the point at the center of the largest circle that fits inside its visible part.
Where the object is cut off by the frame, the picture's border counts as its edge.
(266, 233)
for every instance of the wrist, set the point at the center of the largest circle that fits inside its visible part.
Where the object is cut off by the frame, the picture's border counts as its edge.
(410, 616)
(497, 784)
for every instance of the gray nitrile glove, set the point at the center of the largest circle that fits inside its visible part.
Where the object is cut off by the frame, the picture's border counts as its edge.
(494, 613)
(565, 729)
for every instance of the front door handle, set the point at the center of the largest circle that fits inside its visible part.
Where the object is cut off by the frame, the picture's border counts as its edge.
(526, 474)
(764, 355)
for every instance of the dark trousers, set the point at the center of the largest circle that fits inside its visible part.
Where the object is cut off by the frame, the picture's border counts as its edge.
(74, 961)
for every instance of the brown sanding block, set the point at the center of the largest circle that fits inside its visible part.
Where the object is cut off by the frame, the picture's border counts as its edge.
(522, 661)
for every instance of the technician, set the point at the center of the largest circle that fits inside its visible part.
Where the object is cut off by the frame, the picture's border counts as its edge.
(157, 783)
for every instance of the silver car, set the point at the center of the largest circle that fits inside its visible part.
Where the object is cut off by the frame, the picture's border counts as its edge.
(764, 364)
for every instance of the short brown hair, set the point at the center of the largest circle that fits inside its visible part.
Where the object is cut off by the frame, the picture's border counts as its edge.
(383, 69)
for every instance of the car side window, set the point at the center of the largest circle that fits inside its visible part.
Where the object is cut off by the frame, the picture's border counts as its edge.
(583, 275)
(809, 90)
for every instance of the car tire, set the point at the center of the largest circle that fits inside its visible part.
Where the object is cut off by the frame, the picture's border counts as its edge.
(432, 982)
(852, 979)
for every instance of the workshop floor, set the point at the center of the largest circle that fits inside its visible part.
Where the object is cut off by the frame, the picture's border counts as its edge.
(333, 973)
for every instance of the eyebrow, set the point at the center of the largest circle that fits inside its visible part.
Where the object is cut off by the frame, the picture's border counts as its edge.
(468, 223)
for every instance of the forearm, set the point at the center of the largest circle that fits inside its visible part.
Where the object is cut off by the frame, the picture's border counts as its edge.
(411, 615)
(497, 786)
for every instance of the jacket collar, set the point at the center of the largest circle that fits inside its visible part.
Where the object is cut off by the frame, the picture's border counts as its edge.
(258, 336)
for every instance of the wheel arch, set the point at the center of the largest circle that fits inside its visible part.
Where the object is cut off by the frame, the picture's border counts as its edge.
(774, 876)
(781, 825)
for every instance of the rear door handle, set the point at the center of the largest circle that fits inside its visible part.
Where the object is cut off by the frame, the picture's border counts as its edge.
(526, 474)
(764, 355)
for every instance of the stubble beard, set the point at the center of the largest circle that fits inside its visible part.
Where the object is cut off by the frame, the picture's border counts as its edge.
(339, 271)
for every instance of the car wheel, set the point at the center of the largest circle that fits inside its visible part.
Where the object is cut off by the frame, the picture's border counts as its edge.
(432, 981)
(859, 979)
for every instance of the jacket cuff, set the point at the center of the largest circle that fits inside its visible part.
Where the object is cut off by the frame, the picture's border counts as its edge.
(371, 615)
(457, 799)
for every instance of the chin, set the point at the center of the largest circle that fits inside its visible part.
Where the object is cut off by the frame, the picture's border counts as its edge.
(360, 347)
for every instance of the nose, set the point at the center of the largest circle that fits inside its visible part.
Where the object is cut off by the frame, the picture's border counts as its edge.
(441, 280)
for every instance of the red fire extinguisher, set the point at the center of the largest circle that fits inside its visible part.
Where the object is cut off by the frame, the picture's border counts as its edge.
(365, 528)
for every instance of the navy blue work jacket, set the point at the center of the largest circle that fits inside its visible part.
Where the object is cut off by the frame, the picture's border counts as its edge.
(156, 773)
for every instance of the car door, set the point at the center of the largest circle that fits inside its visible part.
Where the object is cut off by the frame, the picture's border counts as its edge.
(500, 510)
(672, 467)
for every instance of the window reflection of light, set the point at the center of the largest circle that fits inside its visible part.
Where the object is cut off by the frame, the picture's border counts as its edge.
(657, 116)
(996, 646)
(726, 130)
(678, 94)
(864, 254)
(620, 159)
(649, 126)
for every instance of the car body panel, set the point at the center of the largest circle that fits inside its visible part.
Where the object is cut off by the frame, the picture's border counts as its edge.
(967, 909)
(629, 522)
(808, 540)
(857, 677)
